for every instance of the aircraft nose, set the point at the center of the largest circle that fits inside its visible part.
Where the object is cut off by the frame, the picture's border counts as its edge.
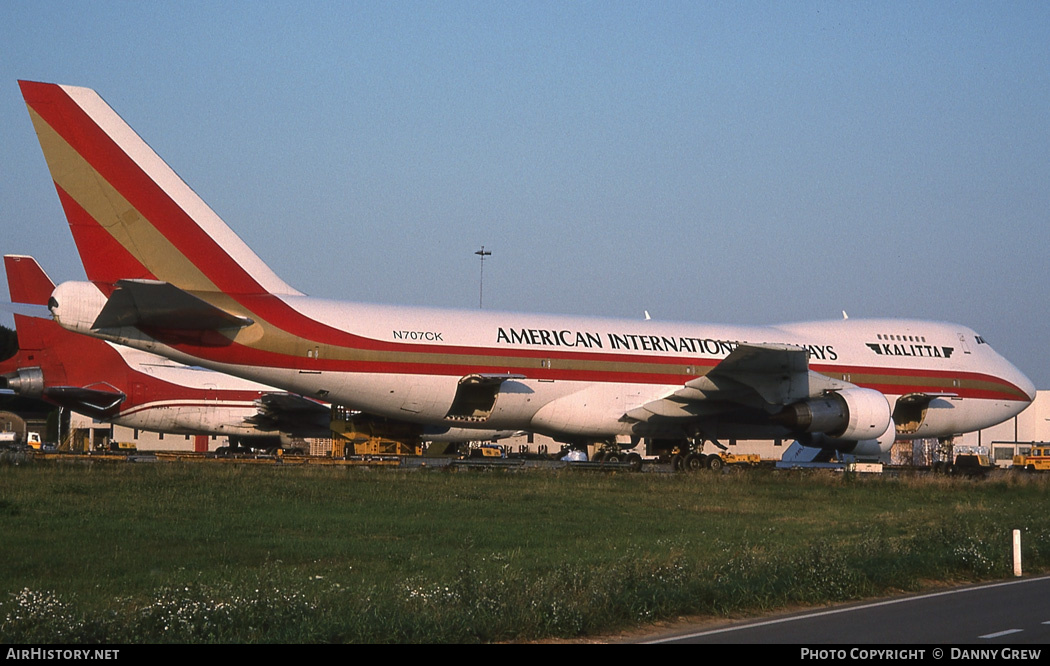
(1019, 379)
(1027, 386)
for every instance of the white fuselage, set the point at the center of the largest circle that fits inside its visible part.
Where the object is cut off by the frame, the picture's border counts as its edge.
(170, 397)
(573, 377)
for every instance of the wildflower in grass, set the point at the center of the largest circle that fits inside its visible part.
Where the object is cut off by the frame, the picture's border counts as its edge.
(33, 615)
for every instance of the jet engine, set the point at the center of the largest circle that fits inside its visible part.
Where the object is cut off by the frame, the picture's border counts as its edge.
(26, 382)
(865, 448)
(853, 414)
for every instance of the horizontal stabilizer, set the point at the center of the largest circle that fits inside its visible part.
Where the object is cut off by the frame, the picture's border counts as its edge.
(27, 310)
(94, 402)
(160, 305)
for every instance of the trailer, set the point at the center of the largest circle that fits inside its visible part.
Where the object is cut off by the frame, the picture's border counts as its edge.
(962, 460)
(694, 461)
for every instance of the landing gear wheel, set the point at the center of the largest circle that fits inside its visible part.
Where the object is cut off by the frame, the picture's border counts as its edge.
(611, 458)
(635, 461)
(676, 463)
(715, 463)
(694, 462)
(598, 456)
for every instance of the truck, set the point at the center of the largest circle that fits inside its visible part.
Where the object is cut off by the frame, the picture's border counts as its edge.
(10, 438)
(1036, 460)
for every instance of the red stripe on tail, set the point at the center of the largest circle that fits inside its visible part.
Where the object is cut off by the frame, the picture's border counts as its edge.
(116, 167)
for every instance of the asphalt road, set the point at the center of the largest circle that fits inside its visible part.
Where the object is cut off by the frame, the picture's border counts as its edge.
(988, 616)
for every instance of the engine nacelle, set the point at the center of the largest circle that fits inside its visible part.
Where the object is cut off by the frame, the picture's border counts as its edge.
(875, 447)
(76, 305)
(866, 448)
(26, 382)
(855, 414)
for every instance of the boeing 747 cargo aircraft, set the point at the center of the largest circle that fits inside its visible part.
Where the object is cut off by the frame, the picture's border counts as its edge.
(168, 276)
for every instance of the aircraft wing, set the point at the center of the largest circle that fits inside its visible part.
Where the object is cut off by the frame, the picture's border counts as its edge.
(292, 414)
(765, 376)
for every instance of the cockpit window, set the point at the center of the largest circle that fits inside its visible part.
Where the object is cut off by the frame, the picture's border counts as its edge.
(980, 340)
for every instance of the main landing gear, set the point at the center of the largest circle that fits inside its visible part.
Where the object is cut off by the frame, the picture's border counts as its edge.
(688, 455)
(611, 452)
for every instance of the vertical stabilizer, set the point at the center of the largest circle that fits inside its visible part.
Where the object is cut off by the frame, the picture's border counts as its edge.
(130, 213)
(27, 282)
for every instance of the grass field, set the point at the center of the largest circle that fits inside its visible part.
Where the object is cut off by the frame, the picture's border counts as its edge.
(229, 553)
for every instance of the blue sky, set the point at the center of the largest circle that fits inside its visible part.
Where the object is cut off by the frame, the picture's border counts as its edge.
(728, 162)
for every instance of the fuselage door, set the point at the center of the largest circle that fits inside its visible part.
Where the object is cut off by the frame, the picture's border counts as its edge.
(911, 410)
(476, 396)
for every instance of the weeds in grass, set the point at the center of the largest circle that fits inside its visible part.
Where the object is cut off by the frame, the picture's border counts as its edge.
(337, 557)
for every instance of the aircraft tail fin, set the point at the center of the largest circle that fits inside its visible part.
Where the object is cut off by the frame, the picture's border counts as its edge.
(131, 215)
(42, 345)
(30, 285)
(27, 282)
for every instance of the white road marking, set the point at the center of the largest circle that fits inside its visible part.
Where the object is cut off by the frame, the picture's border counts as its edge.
(850, 609)
(1002, 633)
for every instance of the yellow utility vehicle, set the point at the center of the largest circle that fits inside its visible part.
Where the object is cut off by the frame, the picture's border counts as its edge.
(1036, 460)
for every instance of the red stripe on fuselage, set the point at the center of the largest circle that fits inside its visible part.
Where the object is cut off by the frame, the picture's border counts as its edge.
(937, 381)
